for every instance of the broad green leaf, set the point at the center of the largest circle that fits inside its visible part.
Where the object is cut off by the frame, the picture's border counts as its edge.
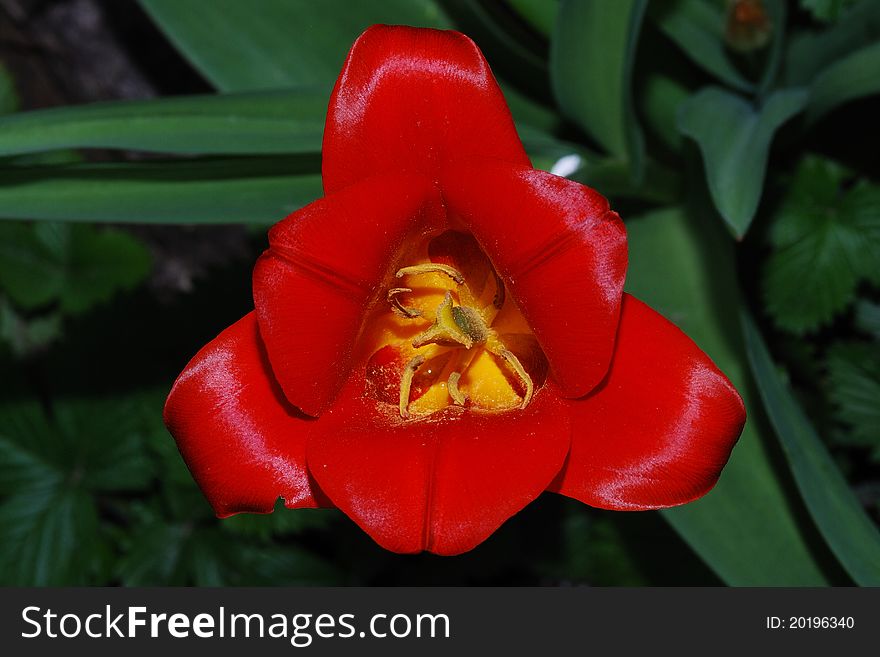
(745, 528)
(27, 335)
(179, 554)
(854, 385)
(48, 538)
(734, 139)
(697, 27)
(211, 191)
(75, 265)
(8, 94)
(28, 460)
(850, 534)
(151, 555)
(808, 52)
(847, 79)
(591, 64)
(824, 241)
(540, 14)
(259, 122)
(242, 46)
(96, 443)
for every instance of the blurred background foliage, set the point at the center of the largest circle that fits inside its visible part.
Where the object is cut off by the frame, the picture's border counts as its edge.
(146, 146)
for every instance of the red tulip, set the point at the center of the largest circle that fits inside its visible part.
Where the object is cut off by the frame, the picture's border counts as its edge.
(445, 335)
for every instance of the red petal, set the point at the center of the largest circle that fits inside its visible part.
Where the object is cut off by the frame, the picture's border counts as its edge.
(413, 100)
(324, 267)
(562, 253)
(442, 484)
(660, 429)
(243, 443)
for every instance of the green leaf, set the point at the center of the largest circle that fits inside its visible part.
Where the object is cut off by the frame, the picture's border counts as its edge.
(209, 191)
(825, 10)
(8, 95)
(185, 554)
(824, 241)
(76, 265)
(697, 27)
(854, 386)
(266, 122)
(745, 528)
(810, 51)
(151, 555)
(850, 534)
(735, 139)
(27, 335)
(852, 77)
(96, 443)
(659, 100)
(540, 14)
(591, 64)
(48, 538)
(27, 462)
(281, 43)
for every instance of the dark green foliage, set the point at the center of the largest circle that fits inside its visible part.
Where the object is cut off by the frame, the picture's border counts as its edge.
(72, 265)
(825, 240)
(854, 382)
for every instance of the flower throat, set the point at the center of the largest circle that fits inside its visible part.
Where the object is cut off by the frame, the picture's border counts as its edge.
(450, 335)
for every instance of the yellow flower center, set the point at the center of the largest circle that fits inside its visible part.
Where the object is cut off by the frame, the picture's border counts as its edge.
(450, 335)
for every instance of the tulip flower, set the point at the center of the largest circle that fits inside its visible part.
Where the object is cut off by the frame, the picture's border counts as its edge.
(444, 335)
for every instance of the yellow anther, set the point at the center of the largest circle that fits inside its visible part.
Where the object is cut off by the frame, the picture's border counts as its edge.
(398, 307)
(406, 383)
(495, 346)
(431, 268)
(452, 385)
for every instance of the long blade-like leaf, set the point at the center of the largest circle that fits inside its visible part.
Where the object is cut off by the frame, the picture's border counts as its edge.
(852, 536)
(238, 190)
(267, 122)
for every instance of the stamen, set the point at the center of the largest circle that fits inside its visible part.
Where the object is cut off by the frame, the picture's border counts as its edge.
(430, 268)
(496, 347)
(406, 384)
(398, 307)
(452, 385)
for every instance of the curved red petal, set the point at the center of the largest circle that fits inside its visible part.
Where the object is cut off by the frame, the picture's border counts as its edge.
(243, 443)
(444, 483)
(323, 268)
(413, 100)
(562, 253)
(660, 428)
